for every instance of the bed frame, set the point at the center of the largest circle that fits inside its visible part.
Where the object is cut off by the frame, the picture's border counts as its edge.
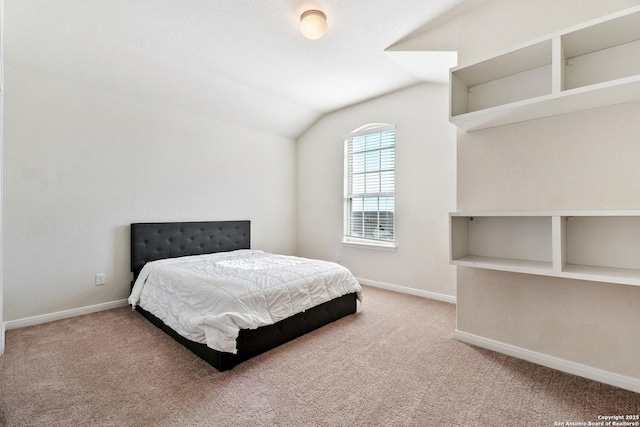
(153, 240)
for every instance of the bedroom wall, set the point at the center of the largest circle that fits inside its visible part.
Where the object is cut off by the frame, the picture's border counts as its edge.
(81, 164)
(583, 160)
(425, 191)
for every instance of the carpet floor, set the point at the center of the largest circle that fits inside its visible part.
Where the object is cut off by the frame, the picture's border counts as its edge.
(394, 363)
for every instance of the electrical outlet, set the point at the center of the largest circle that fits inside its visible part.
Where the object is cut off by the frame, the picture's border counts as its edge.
(100, 278)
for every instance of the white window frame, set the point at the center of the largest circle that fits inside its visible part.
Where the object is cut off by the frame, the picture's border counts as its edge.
(364, 242)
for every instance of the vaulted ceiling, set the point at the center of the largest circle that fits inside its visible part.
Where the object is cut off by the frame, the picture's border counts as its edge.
(240, 61)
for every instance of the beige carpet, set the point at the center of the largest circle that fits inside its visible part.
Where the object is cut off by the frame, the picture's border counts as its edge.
(394, 363)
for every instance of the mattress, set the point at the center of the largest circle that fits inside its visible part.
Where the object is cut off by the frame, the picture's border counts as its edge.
(209, 298)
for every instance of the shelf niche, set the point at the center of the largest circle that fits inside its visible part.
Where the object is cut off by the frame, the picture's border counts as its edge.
(587, 66)
(591, 245)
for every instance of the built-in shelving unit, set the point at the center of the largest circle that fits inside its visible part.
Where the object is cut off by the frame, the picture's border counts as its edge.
(587, 245)
(587, 66)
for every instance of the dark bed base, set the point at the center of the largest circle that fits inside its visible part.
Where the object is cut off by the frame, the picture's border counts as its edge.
(252, 342)
(153, 241)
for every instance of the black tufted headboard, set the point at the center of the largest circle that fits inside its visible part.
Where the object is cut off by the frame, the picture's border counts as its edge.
(151, 241)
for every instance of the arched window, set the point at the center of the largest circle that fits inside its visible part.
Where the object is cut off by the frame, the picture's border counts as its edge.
(369, 185)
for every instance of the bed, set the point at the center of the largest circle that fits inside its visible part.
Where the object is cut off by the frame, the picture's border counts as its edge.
(168, 242)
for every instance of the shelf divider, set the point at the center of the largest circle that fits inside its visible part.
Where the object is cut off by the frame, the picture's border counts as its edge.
(559, 239)
(558, 66)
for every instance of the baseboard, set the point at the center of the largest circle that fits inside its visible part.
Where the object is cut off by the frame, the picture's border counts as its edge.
(606, 377)
(44, 318)
(2, 330)
(406, 290)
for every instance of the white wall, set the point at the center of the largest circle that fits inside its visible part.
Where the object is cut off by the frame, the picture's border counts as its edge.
(82, 164)
(583, 160)
(425, 190)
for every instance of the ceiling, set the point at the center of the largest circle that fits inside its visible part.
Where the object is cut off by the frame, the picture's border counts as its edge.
(240, 61)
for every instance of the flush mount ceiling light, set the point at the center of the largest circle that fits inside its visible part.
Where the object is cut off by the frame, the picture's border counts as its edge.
(313, 24)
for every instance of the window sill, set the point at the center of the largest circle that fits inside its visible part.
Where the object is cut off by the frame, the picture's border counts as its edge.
(390, 247)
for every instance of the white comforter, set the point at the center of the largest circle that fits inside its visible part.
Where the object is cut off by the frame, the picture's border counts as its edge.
(209, 298)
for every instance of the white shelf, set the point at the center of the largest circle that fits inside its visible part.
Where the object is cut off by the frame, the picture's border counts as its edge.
(613, 275)
(586, 245)
(517, 75)
(505, 264)
(587, 66)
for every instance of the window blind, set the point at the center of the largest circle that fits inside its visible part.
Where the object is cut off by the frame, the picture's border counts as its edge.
(369, 191)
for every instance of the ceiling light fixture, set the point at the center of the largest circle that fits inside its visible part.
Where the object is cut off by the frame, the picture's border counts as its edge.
(313, 24)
